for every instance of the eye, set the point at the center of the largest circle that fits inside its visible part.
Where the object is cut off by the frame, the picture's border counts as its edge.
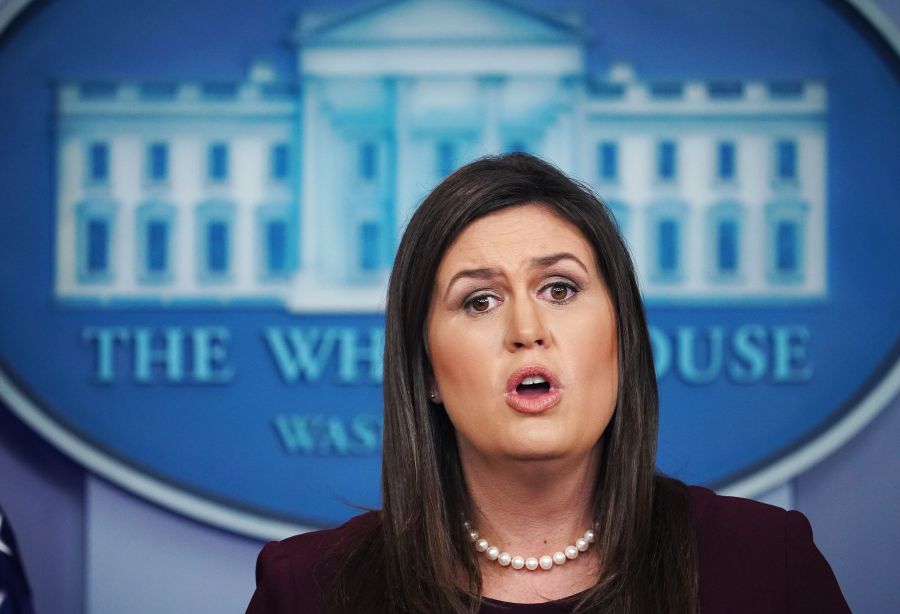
(480, 303)
(560, 291)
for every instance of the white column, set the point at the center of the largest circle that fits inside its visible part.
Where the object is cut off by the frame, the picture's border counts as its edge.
(310, 173)
(490, 89)
(404, 177)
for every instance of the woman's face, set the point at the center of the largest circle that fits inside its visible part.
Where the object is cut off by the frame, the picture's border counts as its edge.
(522, 338)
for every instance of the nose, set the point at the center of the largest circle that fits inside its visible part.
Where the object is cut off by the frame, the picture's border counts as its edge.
(526, 328)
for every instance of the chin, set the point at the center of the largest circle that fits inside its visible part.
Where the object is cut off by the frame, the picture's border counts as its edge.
(546, 452)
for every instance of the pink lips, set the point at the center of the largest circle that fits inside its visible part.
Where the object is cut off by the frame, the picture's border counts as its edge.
(533, 401)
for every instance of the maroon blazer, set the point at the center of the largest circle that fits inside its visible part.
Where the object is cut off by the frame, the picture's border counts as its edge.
(753, 558)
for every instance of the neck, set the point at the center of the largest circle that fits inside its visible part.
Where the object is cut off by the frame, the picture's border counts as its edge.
(531, 507)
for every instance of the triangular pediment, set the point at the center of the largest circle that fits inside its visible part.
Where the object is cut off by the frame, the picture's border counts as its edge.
(441, 21)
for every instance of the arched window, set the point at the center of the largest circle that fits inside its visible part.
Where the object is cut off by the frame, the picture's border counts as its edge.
(517, 145)
(725, 223)
(369, 246)
(215, 227)
(279, 162)
(445, 157)
(666, 240)
(786, 223)
(276, 250)
(95, 240)
(368, 161)
(155, 233)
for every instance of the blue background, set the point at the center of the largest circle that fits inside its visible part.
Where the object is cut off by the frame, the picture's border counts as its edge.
(862, 167)
(193, 435)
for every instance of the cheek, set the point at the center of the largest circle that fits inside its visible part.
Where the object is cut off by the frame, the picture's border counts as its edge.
(460, 361)
(595, 356)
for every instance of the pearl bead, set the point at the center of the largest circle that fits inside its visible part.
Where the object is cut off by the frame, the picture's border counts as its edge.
(545, 561)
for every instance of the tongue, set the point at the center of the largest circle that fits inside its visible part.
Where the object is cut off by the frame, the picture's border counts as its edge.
(533, 390)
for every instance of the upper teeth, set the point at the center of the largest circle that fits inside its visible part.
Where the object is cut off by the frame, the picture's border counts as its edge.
(535, 379)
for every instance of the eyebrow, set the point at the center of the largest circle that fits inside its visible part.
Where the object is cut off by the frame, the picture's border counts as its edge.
(539, 262)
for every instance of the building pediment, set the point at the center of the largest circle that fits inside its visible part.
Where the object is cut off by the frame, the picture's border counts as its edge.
(403, 22)
(449, 37)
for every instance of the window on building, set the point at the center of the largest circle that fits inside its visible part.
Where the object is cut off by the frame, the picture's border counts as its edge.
(786, 160)
(277, 251)
(95, 237)
(279, 161)
(517, 145)
(368, 161)
(786, 247)
(154, 240)
(725, 221)
(725, 161)
(727, 247)
(217, 163)
(158, 162)
(620, 213)
(97, 246)
(276, 247)
(98, 163)
(217, 247)
(368, 248)
(608, 157)
(665, 233)
(157, 256)
(446, 158)
(666, 163)
(667, 240)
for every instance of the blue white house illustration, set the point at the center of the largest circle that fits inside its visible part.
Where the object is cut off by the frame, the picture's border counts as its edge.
(294, 189)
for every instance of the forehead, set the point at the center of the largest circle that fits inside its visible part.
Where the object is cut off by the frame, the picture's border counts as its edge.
(513, 237)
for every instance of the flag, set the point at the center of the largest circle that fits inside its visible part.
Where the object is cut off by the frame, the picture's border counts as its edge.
(15, 594)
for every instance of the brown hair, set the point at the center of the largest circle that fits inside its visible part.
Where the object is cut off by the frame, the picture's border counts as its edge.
(418, 559)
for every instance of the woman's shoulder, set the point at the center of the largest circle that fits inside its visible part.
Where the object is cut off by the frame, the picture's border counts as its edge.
(711, 510)
(289, 572)
(309, 546)
(756, 557)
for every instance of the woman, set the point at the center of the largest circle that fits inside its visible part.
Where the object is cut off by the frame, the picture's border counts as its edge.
(520, 433)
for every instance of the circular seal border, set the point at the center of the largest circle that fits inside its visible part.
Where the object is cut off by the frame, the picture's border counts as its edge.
(771, 474)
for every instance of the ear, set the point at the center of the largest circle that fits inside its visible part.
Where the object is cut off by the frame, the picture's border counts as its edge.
(434, 395)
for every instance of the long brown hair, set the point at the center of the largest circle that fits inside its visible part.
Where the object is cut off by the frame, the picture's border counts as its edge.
(418, 559)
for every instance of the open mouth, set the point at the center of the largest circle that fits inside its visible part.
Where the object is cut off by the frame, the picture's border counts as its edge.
(532, 390)
(532, 387)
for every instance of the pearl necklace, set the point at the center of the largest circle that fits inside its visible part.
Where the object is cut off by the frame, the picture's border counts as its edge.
(531, 563)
